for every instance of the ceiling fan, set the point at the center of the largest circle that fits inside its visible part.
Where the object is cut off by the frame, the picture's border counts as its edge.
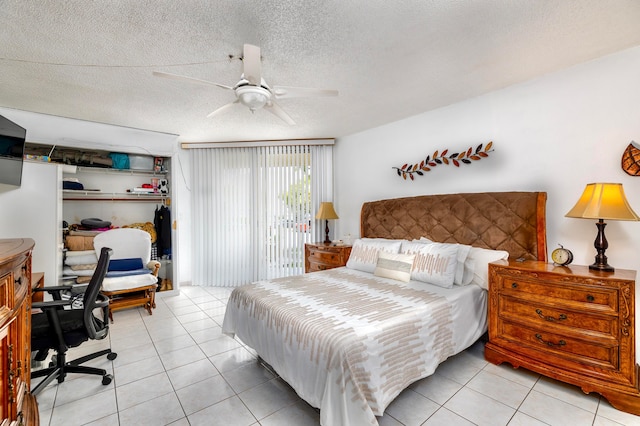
(252, 91)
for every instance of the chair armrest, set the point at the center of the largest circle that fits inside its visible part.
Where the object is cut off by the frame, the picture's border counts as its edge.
(50, 304)
(154, 265)
(55, 291)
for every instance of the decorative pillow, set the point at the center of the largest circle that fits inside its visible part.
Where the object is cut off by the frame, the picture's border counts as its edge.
(464, 269)
(435, 263)
(481, 258)
(364, 252)
(394, 266)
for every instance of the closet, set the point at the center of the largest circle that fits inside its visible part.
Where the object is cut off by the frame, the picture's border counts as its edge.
(97, 184)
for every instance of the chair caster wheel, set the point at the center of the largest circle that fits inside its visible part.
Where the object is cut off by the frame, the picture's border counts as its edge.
(107, 379)
(111, 356)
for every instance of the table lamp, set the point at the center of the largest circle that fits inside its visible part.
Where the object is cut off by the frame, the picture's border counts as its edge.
(326, 212)
(602, 201)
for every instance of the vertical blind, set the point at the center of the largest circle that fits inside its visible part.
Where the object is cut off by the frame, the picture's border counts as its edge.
(254, 209)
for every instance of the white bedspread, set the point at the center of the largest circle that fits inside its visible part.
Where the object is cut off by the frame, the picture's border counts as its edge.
(349, 342)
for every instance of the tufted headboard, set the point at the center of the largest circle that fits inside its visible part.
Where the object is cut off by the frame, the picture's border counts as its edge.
(511, 221)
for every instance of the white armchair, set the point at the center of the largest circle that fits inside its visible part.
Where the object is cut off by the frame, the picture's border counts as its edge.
(132, 278)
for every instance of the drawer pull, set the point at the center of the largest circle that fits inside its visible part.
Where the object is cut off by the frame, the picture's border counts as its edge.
(514, 285)
(590, 298)
(549, 317)
(560, 343)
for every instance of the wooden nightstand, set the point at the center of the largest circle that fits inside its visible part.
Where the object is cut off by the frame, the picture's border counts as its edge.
(568, 323)
(320, 256)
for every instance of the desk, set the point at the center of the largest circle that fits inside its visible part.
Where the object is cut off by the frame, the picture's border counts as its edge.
(37, 281)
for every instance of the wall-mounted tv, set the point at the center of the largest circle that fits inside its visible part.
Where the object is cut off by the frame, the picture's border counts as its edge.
(12, 139)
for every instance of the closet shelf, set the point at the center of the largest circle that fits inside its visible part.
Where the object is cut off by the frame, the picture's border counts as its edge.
(83, 195)
(129, 172)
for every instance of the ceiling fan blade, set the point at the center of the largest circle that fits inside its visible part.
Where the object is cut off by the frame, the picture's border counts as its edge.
(275, 109)
(222, 108)
(283, 92)
(251, 64)
(191, 79)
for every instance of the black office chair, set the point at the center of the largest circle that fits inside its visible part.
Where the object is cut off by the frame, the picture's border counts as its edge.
(60, 327)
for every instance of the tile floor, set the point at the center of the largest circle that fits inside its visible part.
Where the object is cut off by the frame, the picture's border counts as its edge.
(176, 368)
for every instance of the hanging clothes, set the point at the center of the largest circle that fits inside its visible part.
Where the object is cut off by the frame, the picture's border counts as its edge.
(162, 223)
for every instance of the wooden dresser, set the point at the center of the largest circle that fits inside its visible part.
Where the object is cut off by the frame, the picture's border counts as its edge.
(17, 405)
(568, 323)
(321, 256)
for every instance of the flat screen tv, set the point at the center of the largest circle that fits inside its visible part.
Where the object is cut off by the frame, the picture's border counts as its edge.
(12, 139)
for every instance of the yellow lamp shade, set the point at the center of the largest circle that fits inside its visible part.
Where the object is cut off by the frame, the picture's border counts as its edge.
(326, 211)
(603, 201)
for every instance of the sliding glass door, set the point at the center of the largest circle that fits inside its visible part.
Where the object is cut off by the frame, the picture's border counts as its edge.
(254, 210)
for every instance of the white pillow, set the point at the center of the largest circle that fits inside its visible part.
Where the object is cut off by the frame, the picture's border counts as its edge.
(481, 258)
(364, 252)
(464, 269)
(394, 266)
(434, 263)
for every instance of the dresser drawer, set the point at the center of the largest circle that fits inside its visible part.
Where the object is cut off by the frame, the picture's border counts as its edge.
(544, 315)
(6, 293)
(21, 282)
(584, 298)
(568, 350)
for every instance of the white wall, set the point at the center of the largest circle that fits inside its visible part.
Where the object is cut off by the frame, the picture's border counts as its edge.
(554, 134)
(181, 180)
(33, 211)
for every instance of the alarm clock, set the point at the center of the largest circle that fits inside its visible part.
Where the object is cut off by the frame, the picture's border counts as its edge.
(562, 256)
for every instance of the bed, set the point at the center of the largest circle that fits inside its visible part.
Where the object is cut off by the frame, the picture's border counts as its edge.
(349, 340)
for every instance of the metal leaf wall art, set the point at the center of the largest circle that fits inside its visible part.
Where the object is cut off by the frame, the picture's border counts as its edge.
(444, 158)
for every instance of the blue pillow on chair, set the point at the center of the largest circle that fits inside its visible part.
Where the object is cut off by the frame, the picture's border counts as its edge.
(114, 274)
(125, 264)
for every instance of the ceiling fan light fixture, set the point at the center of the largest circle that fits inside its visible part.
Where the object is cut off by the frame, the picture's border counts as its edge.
(253, 97)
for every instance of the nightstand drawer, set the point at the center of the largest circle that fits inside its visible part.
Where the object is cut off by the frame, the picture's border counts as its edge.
(315, 266)
(574, 353)
(555, 317)
(585, 298)
(324, 256)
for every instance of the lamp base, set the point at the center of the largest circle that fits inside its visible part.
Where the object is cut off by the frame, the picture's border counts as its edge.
(326, 232)
(601, 245)
(601, 267)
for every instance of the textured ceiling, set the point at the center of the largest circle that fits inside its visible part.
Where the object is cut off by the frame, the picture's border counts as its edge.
(93, 60)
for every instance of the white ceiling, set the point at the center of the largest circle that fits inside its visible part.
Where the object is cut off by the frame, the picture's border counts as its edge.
(93, 60)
